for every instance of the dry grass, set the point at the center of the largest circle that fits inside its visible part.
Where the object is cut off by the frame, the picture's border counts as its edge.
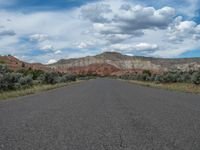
(32, 90)
(182, 87)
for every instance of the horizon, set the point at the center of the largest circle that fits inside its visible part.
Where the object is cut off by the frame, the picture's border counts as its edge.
(47, 31)
(96, 55)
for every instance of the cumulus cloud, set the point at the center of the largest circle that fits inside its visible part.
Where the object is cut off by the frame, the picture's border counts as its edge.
(51, 61)
(38, 37)
(133, 19)
(138, 17)
(114, 25)
(182, 30)
(96, 12)
(126, 20)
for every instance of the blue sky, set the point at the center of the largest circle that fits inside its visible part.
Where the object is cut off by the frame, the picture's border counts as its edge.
(48, 30)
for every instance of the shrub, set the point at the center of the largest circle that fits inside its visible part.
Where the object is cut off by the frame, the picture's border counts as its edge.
(147, 72)
(8, 81)
(41, 78)
(158, 78)
(4, 69)
(196, 77)
(68, 78)
(51, 78)
(184, 77)
(26, 81)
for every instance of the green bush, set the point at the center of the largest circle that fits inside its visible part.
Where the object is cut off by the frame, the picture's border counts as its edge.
(51, 78)
(8, 81)
(158, 79)
(4, 69)
(41, 79)
(26, 81)
(68, 78)
(196, 78)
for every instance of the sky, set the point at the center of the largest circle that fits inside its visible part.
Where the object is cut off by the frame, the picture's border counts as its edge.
(48, 30)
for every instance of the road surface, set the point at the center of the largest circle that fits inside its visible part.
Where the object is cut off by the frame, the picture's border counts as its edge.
(101, 114)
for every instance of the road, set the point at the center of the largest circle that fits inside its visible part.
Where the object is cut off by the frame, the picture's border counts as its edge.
(101, 114)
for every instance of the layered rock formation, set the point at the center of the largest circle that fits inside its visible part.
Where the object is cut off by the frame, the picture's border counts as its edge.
(112, 63)
(108, 63)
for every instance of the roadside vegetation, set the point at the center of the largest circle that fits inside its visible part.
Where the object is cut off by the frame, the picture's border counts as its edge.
(23, 82)
(173, 80)
(31, 90)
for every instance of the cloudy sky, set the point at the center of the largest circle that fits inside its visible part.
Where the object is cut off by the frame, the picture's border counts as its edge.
(48, 30)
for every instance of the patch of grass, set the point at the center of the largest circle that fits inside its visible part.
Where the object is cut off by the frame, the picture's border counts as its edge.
(31, 90)
(182, 87)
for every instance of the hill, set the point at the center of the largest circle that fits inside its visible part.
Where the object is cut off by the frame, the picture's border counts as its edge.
(113, 63)
(15, 64)
(107, 63)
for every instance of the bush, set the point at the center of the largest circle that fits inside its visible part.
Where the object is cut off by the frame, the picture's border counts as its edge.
(68, 78)
(196, 78)
(4, 69)
(51, 78)
(26, 81)
(147, 72)
(158, 78)
(8, 81)
(41, 78)
(184, 77)
(168, 77)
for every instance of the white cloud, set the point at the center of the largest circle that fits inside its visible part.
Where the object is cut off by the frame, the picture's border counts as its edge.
(47, 47)
(142, 47)
(182, 30)
(135, 19)
(96, 12)
(86, 44)
(106, 24)
(83, 45)
(51, 61)
(58, 52)
(38, 37)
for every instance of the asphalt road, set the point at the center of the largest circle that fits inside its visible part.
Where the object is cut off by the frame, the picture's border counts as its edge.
(101, 114)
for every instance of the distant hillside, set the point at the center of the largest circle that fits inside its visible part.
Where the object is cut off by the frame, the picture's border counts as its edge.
(108, 63)
(16, 64)
(112, 63)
